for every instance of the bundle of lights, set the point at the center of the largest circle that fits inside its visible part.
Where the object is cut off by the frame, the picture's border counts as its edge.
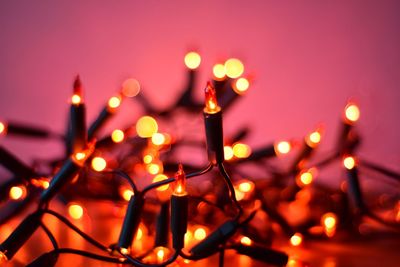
(162, 198)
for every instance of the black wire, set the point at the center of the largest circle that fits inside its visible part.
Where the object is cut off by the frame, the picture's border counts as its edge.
(124, 175)
(90, 255)
(221, 257)
(136, 262)
(231, 189)
(50, 235)
(77, 230)
(385, 171)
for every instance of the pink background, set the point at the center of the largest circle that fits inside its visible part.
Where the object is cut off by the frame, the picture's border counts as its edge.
(308, 58)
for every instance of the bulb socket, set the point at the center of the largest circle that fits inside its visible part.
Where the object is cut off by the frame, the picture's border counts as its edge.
(214, 135)
(78, 127)
(179, 218)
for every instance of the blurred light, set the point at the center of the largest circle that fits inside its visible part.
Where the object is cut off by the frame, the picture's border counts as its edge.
(114, 102)
(158, 178)
(200, 233)
(233, 68)
(314, 138)
(306, 177)
(130, 88)
(127, 194)
(246, 241)
(282, 147)
(241, 150)
(2, 128)
(76, 99)
(124, 251)
(219, 71)
(352, 113)
(117, 136)
(17, 192)
(329, 221)
(241, 85)
(246, 187)
(80, 156)
(161, 253)
(349, 162)
(146, 126)
(239, 194)
(228, 152)
(192, 60)
(99, 164)
(75, 211)
(154, 168)
(158, 139)
(296, 239)
(3, 257)
(139, 233)
(147, 159)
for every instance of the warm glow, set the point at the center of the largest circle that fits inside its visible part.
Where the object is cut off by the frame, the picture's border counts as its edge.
(306, 177)
(117, 136)
(158, 178)
(245, 241)
(158, 139)
(114, 102)
(241, 150)
(2, 128)
(127, 194)
(351, 113)
(282, 147)
(146, 126)
(329, 221)
(147, 159)
(75, 211)
(99, 164)
(139, 233)
(239, 194)
(76, 99)
(349, 162)
(296, 239)
(219, 71)
(211, 100)
(228, 152)
(313, 138)
(124, 251)
(233, 68)
(154, 168)
(130, 88)
(241, 85)
(192, 60)
(80, 157)
(246, 186)
(17, 192)
(3, 257)
(180, 182)
(200, 233)
(160, 254)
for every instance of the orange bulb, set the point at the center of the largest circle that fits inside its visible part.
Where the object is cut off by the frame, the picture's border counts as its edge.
(3, 128)
(130, 88)
(200, 233)
(75, 211)
(245, 241)
(117, 136)
(211, 100)
(351, 113)
(349, 162)
(99, 164)
(113, 103)
(241, 85)
(219, 72)
(17, 192)
(76, 98)
(329, 221)
(180, 182)
(127, 194)
(192, 60)
(246, 186)
(314, 138)
(161, 253)
(282, 148)
(296, 239)
(80, 157)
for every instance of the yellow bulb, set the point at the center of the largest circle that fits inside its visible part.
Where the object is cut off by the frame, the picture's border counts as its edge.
(352, 113)
(117, 136)
(246, 187)
(75, 211)
(200, 233)
(306, 177)
(228, 152)
(282, 147)
(241, 150)
(127, 194)
(234, 68)
(80, 156)
(147, 159)
(329, 220)
(246, 241)
(313, 139)
(192, 60)
(130, 88)
(158, 139)
(158, 178)
(154, 168)
(146, 126)
(17, 192)
(76, 99)
(349, 162)
(219, 71)
(99, 164)
(114, 102)
(2, 128)
(124, 251)
(296, 239)
(241, 85)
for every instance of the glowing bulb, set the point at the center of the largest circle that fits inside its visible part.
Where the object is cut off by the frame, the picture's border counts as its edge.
(127, 194)
(245, 241)
(180, 182)
(241, 150)
(161, 253)
(146, 126)
(349, 162)
(2, 128)
(211, 100)
(241, 85)
(306, 177)
(117, 136)
(158, 139)
(158, 178)
(228, 152)
(233, 68)
(139, 233)
(17, 192)
(314, 138)
(114, 102)
(130, 88)
(200, 233)
(352, 113)
(147, 159)
(239, 194)
(282, 147)
(124, 251)
(80, 157)
(246, 186)
(296, 239)
(219, 71)
(76, 99)
(99, 164)
(192, 60)
(75, 211)
(154, 168)
(329, 221)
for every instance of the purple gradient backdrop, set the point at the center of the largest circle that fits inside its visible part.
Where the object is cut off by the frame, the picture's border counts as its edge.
(309, 57)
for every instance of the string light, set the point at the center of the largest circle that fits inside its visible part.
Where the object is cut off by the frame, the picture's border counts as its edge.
(146, 126)
(233, 68)
(241, 85)
(117, 136)
(241, 150)
(282, 148)
(219, 71)
(351, 113)
(349, 162)
(158, 139)
(192, 60)
(296, 239)
(17, 192)
(99, 164)
(75, 211)
(228, 152)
